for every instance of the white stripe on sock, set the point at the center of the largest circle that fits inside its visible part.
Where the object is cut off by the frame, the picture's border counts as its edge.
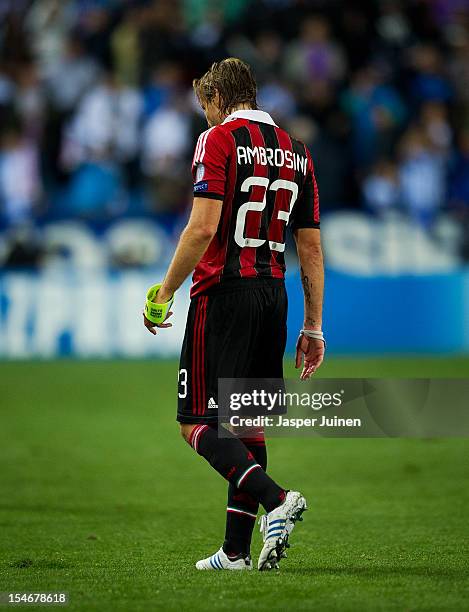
(241, 512)
(195, 440)
(246, 473)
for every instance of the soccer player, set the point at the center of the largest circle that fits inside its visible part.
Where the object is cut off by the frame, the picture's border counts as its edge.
(251, 180)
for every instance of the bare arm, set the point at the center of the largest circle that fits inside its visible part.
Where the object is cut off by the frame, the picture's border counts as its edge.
(193, 243)
(308, 244)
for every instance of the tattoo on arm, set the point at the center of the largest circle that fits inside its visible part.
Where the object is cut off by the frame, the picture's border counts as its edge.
(308, 298)
(306, 287)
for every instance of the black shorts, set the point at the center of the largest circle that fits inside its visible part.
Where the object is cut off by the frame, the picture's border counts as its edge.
(235, 331)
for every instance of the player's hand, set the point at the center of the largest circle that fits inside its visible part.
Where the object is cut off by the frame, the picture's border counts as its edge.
(162, 296)
(151, 326)
(310, 353)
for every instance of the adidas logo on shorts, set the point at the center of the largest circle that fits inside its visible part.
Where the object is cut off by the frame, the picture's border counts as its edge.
(212, 405)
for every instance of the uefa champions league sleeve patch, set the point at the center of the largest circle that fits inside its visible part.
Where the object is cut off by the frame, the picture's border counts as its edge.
(199, 174)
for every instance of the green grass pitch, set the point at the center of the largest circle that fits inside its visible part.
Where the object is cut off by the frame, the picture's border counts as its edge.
(101, 498)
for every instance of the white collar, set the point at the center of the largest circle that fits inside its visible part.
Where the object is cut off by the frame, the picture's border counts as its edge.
(251, 115)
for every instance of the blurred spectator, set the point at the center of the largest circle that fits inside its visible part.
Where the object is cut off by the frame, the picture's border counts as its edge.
(126, 49)
(48, 23)
(377, 113)
(392, 25)
(422, 177)
(162, 36)
(329, 162)
(66, 78)
(209, 32)
(165, 82)
(435, 124)
(14, 47)
(94, 27)
(430, 81)
(165, 140)
(277, 100)
(106, 122)
(96, 190)
(267, 56)
(69, 75)
(381, 188)
(445, 12)
(315, 56)
(19, 177)
(195, 11)
(30, 100)
(165, 144)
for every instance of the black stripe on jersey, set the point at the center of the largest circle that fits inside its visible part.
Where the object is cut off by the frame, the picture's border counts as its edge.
(298, 149)
(263, 253)
(231, 268)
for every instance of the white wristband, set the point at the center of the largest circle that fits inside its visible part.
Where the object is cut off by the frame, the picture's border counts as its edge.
(316, 334)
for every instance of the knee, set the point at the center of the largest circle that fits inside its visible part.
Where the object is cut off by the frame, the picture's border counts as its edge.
(186, 431)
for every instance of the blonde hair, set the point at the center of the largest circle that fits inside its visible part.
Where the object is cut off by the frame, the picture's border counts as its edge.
(232, 79)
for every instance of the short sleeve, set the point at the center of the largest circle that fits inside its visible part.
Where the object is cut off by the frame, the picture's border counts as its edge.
(209, 164)
(306, 210)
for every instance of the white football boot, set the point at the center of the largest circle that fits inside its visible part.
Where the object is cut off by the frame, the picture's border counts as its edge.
(276, 527)
(220, 561)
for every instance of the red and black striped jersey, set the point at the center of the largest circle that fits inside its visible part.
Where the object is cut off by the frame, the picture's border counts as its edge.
(266, 181)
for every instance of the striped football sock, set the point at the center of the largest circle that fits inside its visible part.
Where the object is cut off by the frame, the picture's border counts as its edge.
(241, 511)
(234, 461)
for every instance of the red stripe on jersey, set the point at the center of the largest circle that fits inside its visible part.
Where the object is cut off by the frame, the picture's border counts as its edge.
(315, 185)
(316, 196)
(203, 398)
(195, 360)
(247, 256)
(282, 202)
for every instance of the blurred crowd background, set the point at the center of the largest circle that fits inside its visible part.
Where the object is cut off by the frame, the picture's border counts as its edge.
(98, 124)
(98, 120)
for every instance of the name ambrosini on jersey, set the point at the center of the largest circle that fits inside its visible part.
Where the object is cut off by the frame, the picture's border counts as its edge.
(266, 156)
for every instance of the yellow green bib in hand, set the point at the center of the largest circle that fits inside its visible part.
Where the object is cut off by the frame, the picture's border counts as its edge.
(154, 312)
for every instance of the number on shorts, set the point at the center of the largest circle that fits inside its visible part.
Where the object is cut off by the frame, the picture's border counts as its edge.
(183, 382)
